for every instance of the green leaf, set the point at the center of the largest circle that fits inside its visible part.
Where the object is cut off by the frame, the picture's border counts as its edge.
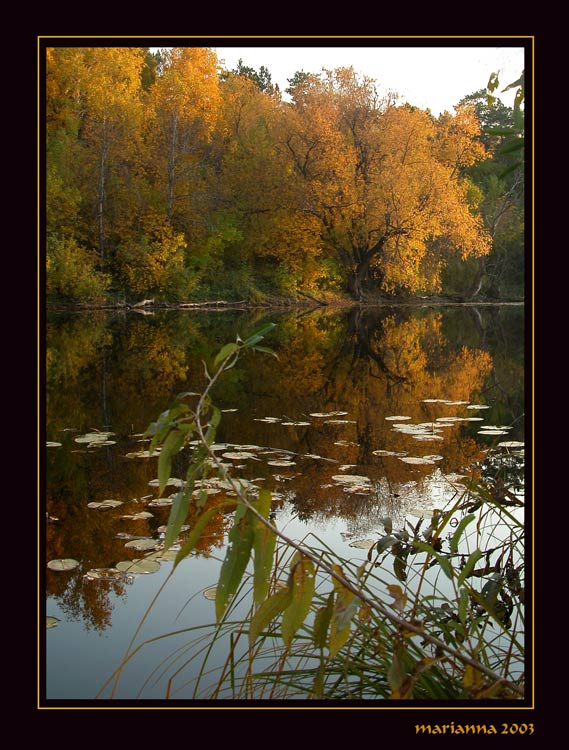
(463, 605)
(519, 82)
(258, 335)
(443, 561)
(511, 168)
(322, 622)
(459, 529)
(265, 350)
(396, 672)
(268, 610)
(172, 445)
(66, 563)
(196, 532)
(468, 566)
(490, 591)
(499, 131)
(399, 568)
(178, 514)
(302, 578)
(264, 541)
(225, 352)
(510, 148)
(345, 607)
(240, 541)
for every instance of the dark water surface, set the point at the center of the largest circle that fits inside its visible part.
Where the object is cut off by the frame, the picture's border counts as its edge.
(351, 388)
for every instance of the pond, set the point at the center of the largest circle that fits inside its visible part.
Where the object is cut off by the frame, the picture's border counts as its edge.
(367, 413)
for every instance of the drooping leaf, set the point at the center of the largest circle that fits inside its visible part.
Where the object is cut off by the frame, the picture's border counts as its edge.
(345, 607)
(66, 563)
(399, 597)
(240, 541)
(51, 622)
(225, 352)
(268, 610)
(302, 581)
(171, 446)
(178, 514)
(264, 541)
(196, 532)
(210, 593)
(459, 529)
(257, 336)
(322, 622)
(468, 566)
(396, 673)
(463, 605)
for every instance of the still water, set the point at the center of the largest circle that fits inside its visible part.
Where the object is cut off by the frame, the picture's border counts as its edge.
(355, 392)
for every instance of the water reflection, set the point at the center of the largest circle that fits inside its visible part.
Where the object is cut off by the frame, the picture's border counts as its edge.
(422, 366)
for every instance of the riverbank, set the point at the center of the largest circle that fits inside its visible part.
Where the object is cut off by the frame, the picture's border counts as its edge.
(285, 302)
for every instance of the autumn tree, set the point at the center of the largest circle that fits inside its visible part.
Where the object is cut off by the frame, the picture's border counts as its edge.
(182, 109)
(384, 181)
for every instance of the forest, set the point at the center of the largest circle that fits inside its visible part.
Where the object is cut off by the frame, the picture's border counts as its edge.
(170, 177)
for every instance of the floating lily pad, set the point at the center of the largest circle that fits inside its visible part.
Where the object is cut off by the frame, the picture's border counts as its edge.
(340, 421)
(143, 454)
(428, 437)
(143, 544)
(396, 418)
(105, 574)
(433, 400)
(210, 593)
(52, 444)
(511, 444)
(281, 463)
(228, 411)
(478, 406)
(238, 455)
(350, 479)
(358, 489)
(384, 453)
(473, 419)
(105, 504)
(363, 543)
(51, 622)
(139, 516)
(66, 563)
(138, 566)
(416, 460)
(329, 414)
(172, 482)
(270, 420)
(162, 502)
(492, 432)
(434, 457)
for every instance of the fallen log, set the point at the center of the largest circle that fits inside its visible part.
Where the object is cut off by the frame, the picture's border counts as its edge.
(320, 302)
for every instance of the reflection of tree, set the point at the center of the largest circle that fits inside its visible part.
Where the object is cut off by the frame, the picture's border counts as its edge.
(371, 363)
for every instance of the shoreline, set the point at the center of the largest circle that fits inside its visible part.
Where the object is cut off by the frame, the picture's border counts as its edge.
(149, 306)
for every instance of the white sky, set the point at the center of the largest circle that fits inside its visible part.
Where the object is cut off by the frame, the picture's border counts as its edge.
(428, 77)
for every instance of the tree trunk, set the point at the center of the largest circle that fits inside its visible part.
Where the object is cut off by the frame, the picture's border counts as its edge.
(358, 279)
(172, 166)
(101, 201)
(476, 285)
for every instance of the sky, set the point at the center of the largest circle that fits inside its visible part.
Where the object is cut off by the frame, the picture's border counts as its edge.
(430, 77)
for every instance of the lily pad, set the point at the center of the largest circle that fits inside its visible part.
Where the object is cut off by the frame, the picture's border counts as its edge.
(270, 420)
(416, 460)
(105, 504)
(363, 543)
(428, 437)
(281, 463)
(478, 406)
(143, 544)
(52, 444)
(228, 411)
(421, 513)
(434, 457)
(398, 417)
(142, 515)
(105, 574)
(143, 454)
(384, 453)
(340, 421)
(51, 622)
(66, 563)
(350, 479)
(138, 566)
(328, 414)
(210, 593)
(238, 455)
(492, 432)
(172, 482)
(511, 444)
(296, 424)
